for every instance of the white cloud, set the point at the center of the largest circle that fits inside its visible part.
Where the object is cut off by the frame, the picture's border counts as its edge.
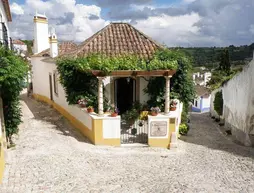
(77, 26)
(16, 9)
(170, 30)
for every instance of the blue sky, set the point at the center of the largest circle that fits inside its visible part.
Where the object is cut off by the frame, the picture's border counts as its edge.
(171, 22)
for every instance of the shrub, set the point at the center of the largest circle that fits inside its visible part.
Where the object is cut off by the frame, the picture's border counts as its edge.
(218, 103)
(183, 129)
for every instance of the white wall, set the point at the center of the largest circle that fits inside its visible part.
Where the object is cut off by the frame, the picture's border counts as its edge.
(238, 109)
(206, 102)
(20, 48)
(40, 79)
(4, 20)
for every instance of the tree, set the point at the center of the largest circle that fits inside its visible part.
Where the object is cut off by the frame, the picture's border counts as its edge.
(13, 71)
(224, 62)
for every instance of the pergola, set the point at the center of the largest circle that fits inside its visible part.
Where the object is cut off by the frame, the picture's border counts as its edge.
(133, 73)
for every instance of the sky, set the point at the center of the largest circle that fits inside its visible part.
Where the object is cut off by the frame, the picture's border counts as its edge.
(186, 23)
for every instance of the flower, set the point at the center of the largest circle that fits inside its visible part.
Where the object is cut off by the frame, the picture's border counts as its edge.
(82, 102)
(173, 103)
(113, 109)
(155, 109)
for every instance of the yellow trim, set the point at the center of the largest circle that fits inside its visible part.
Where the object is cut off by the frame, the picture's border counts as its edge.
(40, 20)
(76, 123)
(52, 40)
(95, 135)
(2, 161)
(163, 142)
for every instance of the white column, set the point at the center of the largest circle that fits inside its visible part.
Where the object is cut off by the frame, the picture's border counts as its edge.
(100, 96)
(167, 94)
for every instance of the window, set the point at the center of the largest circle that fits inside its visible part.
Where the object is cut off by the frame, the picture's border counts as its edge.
(196, 103)
(55, 79)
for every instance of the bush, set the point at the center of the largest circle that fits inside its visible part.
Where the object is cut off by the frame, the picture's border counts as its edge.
(218, 103)
(183, 129)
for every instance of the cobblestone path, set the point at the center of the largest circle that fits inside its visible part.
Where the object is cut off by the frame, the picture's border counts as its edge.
(51, 157)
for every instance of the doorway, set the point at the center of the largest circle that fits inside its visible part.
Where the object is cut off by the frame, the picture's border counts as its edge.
(50, 87)
(125, 93)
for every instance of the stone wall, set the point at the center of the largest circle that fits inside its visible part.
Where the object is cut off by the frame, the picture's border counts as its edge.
(238, 108)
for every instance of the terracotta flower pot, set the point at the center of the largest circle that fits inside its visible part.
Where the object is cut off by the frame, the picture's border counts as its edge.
(82, 105)
(90, 110)
(154, 113)
(172, 108)
(114, 114)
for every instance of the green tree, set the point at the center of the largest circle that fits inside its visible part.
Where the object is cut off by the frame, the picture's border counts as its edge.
(13, 71)
(224, 61)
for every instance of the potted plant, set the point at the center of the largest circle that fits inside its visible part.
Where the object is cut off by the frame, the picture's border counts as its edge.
(113, 111)
(155, 111)
(130, 116)
(173, 105)
(90, 109)
(82, 103)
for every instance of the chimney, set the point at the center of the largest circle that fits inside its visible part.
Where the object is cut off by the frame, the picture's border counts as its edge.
(53, 44)
(40, 33)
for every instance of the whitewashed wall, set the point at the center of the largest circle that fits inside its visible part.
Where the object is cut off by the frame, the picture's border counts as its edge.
(206, 102)
(41, 86)
(41, 70)
(238, 109)
(4, 20)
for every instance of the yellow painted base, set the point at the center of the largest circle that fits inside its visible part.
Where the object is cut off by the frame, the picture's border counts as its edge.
(2, 163)
(95, 135)
(164, 143)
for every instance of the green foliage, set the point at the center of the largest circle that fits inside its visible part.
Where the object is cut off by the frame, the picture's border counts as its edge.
(78, 82)
(182, 86)
(183, 129)
(29, 44)
(218, 103)
(131, 115)
(129, 62)
(13, 71)
(225, 65)
(210, 56)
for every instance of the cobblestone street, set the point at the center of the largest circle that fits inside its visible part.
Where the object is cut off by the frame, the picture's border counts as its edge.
(50, 156)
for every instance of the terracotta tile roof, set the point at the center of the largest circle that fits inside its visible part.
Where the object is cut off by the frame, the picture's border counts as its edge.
(202, 91)
(117, 39)
(63, 48)
(19, 42)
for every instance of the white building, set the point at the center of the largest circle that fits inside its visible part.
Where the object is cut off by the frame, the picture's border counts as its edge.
(19, 46)
(201, 78)
(122, 91)
(202, 101)
(5, 18)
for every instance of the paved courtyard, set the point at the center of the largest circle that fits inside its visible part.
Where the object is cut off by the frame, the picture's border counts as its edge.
(50, 156)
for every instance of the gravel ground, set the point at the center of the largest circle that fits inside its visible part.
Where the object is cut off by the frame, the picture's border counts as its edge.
(50, 156)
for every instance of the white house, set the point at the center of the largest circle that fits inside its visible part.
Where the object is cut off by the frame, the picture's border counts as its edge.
(19, 46)
(122, 91)
(5, 18)
(202, 101)
(201, 78)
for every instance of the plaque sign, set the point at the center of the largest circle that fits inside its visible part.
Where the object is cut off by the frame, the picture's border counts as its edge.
(158, 128)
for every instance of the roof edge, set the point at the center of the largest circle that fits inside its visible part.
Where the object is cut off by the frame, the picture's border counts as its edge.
(7, 9)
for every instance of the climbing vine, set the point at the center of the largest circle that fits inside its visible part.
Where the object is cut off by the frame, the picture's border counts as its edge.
(181, 84)
(13, 71)
(78, 82)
